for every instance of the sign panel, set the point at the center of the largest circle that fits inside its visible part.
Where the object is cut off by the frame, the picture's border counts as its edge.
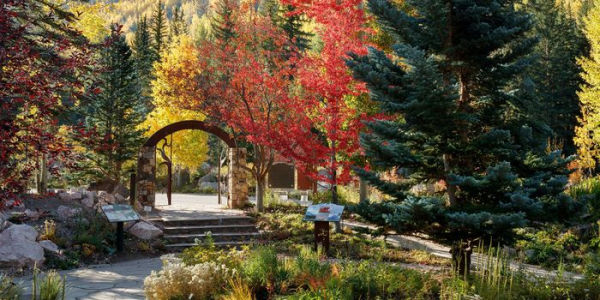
(281, 176)
(120, 213)
(327, 212)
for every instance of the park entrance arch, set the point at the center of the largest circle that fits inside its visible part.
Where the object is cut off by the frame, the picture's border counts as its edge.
(237, 186)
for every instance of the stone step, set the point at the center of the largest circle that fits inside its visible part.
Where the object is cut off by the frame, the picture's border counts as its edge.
(181, 246)
(217, 237)
(210, 228)
(233, 220)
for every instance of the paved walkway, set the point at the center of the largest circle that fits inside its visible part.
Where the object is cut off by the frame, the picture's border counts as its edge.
(185, 206)
(120, 281)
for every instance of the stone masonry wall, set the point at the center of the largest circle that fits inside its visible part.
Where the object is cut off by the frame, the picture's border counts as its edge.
(146, 177)
(238, 186)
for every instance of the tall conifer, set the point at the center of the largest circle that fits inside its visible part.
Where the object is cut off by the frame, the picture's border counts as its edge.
(158, 27)
(555, 72)
(455, 120)
(144, 57)
(114, 109)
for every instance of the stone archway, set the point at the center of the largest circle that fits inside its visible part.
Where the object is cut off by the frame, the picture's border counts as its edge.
(237, 193)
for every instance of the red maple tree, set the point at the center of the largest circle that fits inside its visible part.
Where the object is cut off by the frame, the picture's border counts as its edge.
(328, 84)
(245, 84)
(40, 57)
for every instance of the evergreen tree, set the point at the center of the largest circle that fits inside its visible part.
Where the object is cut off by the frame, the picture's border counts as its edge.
(287, 18)
(555, 71)
(114, 109)
(158, 27)
(587, 132)
(455, 119)
(223, 22)
(177, 25)
(144, 57)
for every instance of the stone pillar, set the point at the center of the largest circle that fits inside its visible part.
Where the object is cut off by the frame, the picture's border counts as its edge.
(237, 194)
(145, 177)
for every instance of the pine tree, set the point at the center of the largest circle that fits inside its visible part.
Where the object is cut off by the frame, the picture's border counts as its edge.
(291, 21)
(177, 25)
(587, 132)
(456, 121)
(555, 71)
(144, 57)
(223, 21)
(114, 109)
(158, 27)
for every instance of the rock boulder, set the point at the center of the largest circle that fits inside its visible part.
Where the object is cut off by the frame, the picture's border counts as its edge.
(18, 247)
(49, 246)
(145, 231)
(64, 213)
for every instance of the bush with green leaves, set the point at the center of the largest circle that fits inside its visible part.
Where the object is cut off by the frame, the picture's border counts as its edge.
(93, 229)
(263, 271)
(208, 252)
(588, 192)
(550, 247)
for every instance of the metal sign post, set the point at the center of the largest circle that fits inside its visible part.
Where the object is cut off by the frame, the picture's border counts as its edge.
(119, 213)
(321, 215)
(322, 235)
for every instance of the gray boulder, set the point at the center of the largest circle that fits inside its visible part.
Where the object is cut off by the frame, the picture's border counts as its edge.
(4, 221)
(65, 213)
(49, 246)
(89, 199)
(145, 231)
(18, 247)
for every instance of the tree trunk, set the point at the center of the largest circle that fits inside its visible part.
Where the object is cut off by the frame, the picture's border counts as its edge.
(362, 190)
(43, 189)
(461, 258)
(451, 189)
(260, 193)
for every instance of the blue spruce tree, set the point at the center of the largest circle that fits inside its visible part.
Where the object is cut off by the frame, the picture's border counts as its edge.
(450, 88)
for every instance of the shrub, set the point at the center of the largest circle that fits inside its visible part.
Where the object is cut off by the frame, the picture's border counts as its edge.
(207, 252)
(93, 229)
(239, 290)
(263, 271)
(377, 280)
(308, 271)
(48, 287)
(548, 247)
(49, 231)
(588, 191)
(8, 289)
(177, 280)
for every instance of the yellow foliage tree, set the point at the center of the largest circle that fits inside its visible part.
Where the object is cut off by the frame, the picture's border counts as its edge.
(587, 133)
(92, 19)
(190, 147)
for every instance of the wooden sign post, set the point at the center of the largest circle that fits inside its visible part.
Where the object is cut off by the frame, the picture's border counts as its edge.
(119, 213)
(321, 215)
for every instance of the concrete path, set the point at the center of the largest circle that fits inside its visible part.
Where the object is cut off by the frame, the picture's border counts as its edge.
(184, 206)
(478, 261)
(120, 281)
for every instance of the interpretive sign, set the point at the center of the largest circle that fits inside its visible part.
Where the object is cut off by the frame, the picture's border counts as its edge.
(324, 212)
(120, 213)
(321, 215)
